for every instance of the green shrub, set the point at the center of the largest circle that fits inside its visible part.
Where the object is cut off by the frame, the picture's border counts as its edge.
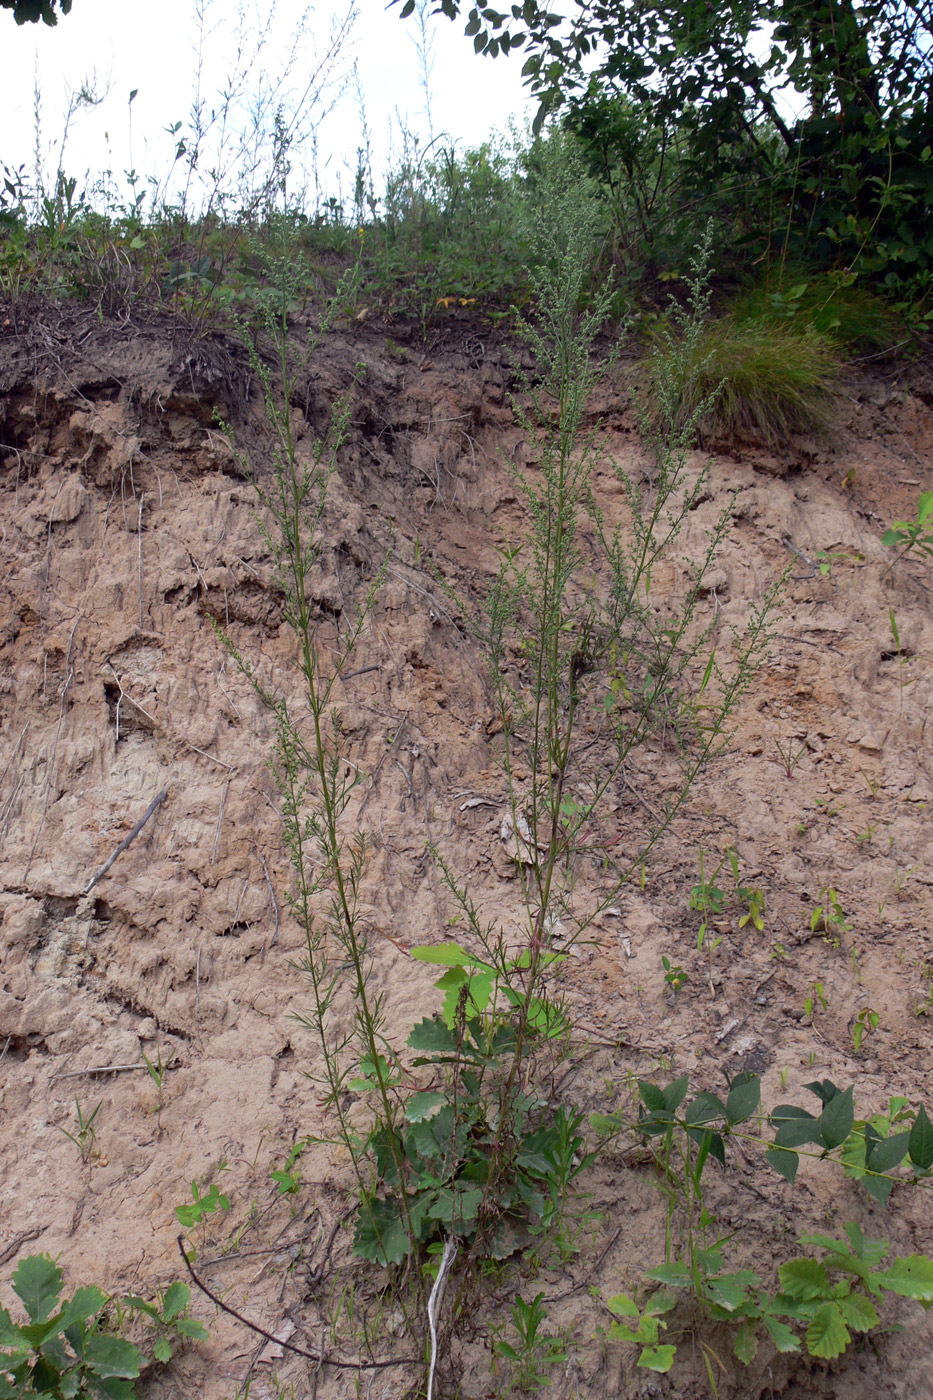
(847, 314)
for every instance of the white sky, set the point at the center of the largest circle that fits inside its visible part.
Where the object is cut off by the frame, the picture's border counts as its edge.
(121, 45)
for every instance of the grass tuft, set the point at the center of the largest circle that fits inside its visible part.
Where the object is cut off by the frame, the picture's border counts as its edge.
(774, 380)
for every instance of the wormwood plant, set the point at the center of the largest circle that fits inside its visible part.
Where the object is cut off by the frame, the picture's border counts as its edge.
(468, 1154)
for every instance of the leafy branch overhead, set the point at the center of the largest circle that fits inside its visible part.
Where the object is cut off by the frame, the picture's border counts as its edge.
(854, 171)
(31, 11)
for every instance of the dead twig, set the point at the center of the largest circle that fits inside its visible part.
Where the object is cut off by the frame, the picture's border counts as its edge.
(220, 819)
(275, 904)
(156, 801)
(111, 1069)
(320, 1356)
(69, 676)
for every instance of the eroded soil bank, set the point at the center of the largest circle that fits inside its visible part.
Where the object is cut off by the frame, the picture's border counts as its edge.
(127, 531)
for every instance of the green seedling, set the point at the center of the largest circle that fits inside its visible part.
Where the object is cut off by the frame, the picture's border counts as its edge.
(85, 1139)
(816, 996)
(287, 1179)
(674, 976)
(826, 559)
(201, 1205)
(63, 1351)
(169, 1318)
(829, 917)
(534, 1353)
(917, 534)
(157, 1070)
(643, 1327)
(788, 756)
(866, 1023)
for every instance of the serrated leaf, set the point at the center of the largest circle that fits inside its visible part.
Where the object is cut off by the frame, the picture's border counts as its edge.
(657, 1358)
(920, 1149)
(622, 1305)
(10, 1335)
(190, 1327)
(433, 1036)
(111, 1356)
(162, 1350)
(38, 1282)
(176, 1299)
(837, 1119)
(87, 1302)
(424, 1105)
(859, 1312)
(803, 1279)
(910, 1277)
(380, 1235)
(780, 1334)
(744, 1098)
(746, 1343)
(827, 1336)
(729, 1291)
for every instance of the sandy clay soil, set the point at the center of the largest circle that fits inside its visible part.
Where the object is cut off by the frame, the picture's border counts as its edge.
(127, 528)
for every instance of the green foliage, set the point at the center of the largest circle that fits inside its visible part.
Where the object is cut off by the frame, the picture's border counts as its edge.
(530, 1359)
(826, 1299)
(63, 1351)
(85, 1135)
(834, 306)
(913, 534)
(202, 1205)
(31, 11)
(850, 181)
(168, 1320)
(759, 380)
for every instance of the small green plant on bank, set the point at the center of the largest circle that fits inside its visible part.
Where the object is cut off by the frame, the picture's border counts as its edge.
(288, 1178)
(203, 1204)
(75, 1348)
(674, 975)
(908, 535)
(866, 1023)
(827, 1298)
(829, 917)
(168, 1319)
(828, 559)
(157, 1070)
(816, 996)
(529, 1361)
(789, 756)
(85, 1135)
(63, 1351)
